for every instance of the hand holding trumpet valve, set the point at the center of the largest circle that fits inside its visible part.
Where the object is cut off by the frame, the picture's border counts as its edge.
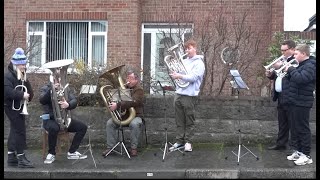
(26, 96)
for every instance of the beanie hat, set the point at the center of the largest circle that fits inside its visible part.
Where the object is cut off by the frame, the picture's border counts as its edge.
(19, 57)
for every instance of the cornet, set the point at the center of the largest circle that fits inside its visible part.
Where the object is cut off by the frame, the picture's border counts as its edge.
(293, 62)
(24, 108)
(269, 66)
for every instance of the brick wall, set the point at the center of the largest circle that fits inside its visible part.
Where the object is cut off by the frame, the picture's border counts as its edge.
(125, 19)
(217, 120)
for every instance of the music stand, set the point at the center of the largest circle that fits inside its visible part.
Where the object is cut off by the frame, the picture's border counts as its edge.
(166, 150)
(120, 95)
(88, 89)
(237, 83)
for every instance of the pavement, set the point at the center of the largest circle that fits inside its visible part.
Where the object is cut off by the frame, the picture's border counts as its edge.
(206, 161)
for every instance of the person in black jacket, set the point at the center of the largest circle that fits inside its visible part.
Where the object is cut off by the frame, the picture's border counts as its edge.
(52, 126)
(280, 93)
(14, 99)
(302, 84)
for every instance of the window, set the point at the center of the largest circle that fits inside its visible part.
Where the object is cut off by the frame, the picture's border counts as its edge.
(156, 39)
(83, 41)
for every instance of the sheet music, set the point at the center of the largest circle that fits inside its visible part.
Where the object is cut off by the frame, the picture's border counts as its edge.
(121, 94)
(238, 80)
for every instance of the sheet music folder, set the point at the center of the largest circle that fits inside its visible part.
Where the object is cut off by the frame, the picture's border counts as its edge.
(120, 94)
(238, 83)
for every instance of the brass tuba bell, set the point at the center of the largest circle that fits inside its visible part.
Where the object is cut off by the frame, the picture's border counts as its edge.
(113, 75)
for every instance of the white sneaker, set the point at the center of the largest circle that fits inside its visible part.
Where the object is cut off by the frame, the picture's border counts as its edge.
(175, 147)
(49, 159)
(76, 155)
(294, 156)
(303, 160)
(188, 147)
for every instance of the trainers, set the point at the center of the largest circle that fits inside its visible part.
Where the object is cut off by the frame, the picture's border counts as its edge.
(175, 146)
(294, 156)
(49, 159)
(188, 147)
(303, 160)
(76, 155)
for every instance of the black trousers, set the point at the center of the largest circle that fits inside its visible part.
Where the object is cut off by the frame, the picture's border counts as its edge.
(283, 125)
(17, 135)
(53, 129)
(300, 130)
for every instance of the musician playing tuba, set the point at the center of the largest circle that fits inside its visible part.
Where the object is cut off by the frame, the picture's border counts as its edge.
(137, 100)
(17, 92)
(66, 101)
(186, 97)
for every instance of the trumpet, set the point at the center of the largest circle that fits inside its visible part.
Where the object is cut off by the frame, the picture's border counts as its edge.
(24, 108)
(293, 63)
(269, 66)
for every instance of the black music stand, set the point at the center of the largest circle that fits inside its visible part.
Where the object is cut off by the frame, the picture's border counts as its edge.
(237, 83)
(90, 90)
(166, 149)
(120, 95)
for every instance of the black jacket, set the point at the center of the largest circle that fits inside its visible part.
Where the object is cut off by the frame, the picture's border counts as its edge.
(11, 92)
(302, 83)
(45, 100)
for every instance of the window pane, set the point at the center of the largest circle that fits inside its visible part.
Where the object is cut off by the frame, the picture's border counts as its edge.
(35, 51)
(98, 50)
(67, 40)
(35, 26)
(98, 27)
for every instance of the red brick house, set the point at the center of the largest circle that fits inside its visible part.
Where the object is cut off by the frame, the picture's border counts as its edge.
(112, 32)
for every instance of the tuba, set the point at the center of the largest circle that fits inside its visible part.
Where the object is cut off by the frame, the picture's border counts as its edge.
(58, 70)
(174, 63)
(115, 78)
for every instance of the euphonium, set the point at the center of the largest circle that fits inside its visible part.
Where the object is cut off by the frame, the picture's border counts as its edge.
(59, 73)
(174, 63)
(24, 102)
(115, 78)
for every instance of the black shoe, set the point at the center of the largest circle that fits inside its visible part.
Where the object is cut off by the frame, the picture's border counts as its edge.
(23, 162)
(277, 147)
(12, 160)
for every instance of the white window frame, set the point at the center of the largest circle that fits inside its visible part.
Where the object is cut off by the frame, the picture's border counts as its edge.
(154, 32)
(36, 69)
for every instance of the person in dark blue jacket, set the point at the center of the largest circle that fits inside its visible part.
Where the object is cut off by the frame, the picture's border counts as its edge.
(302, 81)
(280, 94)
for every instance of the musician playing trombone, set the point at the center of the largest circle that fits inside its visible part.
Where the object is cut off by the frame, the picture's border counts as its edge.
(186, 97)
(17, 92)
(280, 93)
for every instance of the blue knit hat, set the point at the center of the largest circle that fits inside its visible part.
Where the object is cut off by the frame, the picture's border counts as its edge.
(19, 57)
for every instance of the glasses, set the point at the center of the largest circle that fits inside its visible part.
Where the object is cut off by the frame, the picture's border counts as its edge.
(284, 50)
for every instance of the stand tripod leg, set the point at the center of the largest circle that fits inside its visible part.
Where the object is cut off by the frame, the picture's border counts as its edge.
(251, 152)
(165, 150)
(125, 149)
(122, 146)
